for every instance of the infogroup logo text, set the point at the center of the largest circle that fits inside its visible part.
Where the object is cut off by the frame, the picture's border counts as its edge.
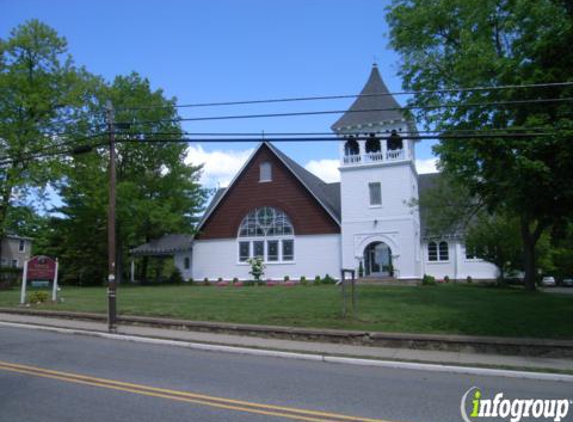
(513, 410)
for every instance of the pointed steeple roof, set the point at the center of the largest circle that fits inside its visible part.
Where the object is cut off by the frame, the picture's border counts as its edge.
(367, 101)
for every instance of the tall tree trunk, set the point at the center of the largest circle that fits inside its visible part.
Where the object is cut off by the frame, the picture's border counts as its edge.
(529, 257)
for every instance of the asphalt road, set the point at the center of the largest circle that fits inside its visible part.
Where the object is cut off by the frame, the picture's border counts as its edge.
(46, 376)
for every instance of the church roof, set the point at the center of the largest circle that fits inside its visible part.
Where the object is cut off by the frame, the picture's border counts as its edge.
(165, 245)
(375, 97)
(327, 194)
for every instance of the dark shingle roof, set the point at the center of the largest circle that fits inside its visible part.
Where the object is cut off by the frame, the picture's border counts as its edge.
(165, 245)
(366, 101)
(327, 193)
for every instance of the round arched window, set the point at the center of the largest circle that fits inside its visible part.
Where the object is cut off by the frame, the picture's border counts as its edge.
(266, 221)
(272, 224)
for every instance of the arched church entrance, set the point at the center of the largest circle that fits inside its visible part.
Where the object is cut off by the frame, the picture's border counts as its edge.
(378, 260)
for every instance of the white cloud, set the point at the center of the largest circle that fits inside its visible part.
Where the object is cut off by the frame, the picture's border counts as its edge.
(427, 166)
(220, 167)
(326, 169)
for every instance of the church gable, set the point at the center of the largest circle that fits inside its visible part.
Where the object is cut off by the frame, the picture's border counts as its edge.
(266, 182)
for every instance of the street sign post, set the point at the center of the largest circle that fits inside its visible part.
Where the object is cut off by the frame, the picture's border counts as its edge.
(40, 267)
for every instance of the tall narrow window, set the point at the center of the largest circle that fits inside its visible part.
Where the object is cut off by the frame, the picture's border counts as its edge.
(186, 263)
(432, 251)
(244, 251)
(444, 251)
(259, 249)
(266, 172)
(22, 246)
(288, 250)
(272, 250)
(375, 193)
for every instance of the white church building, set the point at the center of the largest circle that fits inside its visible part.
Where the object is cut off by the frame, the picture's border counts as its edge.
(302, 226)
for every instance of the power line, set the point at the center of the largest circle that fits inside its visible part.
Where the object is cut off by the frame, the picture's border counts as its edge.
(331, 138)
(346, 96)
(38, 152)
(338, 134)
(323, 112)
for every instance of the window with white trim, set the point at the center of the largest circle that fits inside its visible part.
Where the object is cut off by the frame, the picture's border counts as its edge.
(267, 233)
(438, 251)
(444, 251)
(375, 190)
(432, 251)
(22, 246)
(266, 172)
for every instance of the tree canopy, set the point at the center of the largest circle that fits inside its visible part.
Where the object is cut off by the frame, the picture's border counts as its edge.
(49, 108)
(447, 45)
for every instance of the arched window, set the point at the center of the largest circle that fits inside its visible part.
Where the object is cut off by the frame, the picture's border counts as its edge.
(373, 144)
(444, 251)
(266, 233)
(432, 251)
(351, 147)
(395, 141)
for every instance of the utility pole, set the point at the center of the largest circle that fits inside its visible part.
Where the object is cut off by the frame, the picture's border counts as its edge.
(111, 278)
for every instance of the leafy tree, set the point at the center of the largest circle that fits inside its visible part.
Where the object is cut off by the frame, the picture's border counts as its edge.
(157, 192)
(496, 239)
(491, 43)
(41, 91)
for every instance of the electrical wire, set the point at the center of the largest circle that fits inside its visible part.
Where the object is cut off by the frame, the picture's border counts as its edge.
(346, 96)
(323, 112)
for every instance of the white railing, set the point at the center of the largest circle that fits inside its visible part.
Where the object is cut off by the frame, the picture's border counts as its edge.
(352, 159)
(396, 154)
(374, 157)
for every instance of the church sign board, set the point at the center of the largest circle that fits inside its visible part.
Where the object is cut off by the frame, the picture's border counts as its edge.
(40, 268)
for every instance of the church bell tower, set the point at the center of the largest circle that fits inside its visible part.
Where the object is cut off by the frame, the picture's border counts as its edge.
(379, 186)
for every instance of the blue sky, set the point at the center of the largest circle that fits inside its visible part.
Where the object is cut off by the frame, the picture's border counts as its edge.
(228, 50)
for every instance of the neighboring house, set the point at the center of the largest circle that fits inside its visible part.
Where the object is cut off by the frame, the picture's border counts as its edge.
(15, 251)
(302, 226)
(177, 245)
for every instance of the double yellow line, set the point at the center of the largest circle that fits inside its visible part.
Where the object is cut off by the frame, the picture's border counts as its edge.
(184, 396)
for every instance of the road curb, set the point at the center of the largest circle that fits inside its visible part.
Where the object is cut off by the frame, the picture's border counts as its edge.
(539, 376)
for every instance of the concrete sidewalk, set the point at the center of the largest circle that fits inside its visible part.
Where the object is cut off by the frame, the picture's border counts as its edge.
(319, 348)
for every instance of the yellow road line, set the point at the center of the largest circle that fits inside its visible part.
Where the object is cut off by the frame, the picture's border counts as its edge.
(213, 401)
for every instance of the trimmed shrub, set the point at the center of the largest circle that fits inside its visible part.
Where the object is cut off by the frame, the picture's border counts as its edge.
(317, 280)
(176, 277)
(446, 279)
(206, 281)
(235, 280)
(286, 278)
(469, 279)
(328, 280)
(428, 280)
(360, 270)
(38, 297)
(303, 281)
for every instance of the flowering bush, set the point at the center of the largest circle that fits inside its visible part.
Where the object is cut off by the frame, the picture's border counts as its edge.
(257, 268)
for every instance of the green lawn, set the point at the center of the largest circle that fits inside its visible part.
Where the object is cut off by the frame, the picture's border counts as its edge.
(452, 309)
